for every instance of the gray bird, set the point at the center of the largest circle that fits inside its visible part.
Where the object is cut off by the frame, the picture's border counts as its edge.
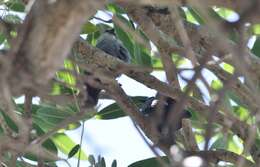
(113, 46)
(108, 43)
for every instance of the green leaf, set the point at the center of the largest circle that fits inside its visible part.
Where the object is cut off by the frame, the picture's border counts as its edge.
(48, 144)
(12, 18)
(242, 113)
(216, 84)
(66, 77)
(142, 55)
(92, 38)
(139, 54)
(256, 47)
(235, 144)
(15, 6)
(193, 16)
(53, 114)
(227, 67)
(215, 15)
(89, 28)
(195, 116)
(256, 29)
(20, 163)
(224, 12)
(73, 151)
(257, 141)
(48, 116)
(125, 21)
(156, 62)
(2, 38)
(69, 64)
(151, 162)
(220, 143)
(114, 8)
(199, 138)
(65, 144)
(110, 112)
(58, 89)
(9, 122)
(126, 40)
(234, 97)
(42, 123)
(114, 111)
(34, 108)
(178, 60)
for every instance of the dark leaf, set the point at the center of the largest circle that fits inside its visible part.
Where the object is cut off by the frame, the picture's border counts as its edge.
(91, 160)
(114, 111)
(73, 151)
(102, 162)
(126, 40)
(15, 6)
(66, 144)
(114, 164)
(2, 38)
(256, 47)
(151, 162)
(9, 122)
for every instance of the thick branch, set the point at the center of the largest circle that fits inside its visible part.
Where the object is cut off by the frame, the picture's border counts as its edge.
(87, 56)
(45, 39)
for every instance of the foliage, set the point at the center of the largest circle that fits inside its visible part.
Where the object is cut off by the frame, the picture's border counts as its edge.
(47, 114)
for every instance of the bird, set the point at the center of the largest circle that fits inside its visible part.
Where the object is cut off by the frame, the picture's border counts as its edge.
(110, 44)
(151, 104)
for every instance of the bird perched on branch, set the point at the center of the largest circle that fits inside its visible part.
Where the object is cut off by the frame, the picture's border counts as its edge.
(108, 43)
(151, 105)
